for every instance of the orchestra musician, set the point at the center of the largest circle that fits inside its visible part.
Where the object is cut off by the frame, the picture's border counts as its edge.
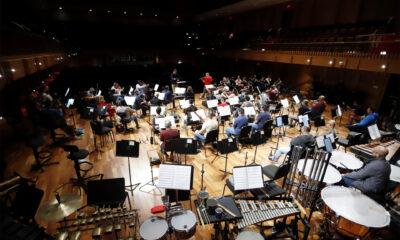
(369, 120)
(207, 79)
(318, 107)
(174, 79)
(189, 94)
(154, 101)
(302, 111)
(90, 92)
(357, 111)
(330, 128)
(262, 117)
(272, 93)
(186, 119)
(125, 112)
(156, 129)
(140, 87)
(168, 134)
(210, 124)
(239, 122)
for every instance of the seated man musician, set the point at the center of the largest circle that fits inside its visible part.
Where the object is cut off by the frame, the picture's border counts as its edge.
(373, 177)
(318, 107)
(304, 140)
(158, 115)
(239, 122)
(302, 110)
(168, 134)
(357, 111)
(262, 117)
(330, 128)
(369, 120)
(210, 124)
(192, 108)
(154, 101)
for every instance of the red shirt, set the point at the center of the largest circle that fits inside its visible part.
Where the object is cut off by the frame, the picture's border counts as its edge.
(207, 80)
(222, 104)
(318, 105)
(168, 134)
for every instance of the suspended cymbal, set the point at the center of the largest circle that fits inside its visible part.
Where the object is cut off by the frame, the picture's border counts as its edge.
(54, 210)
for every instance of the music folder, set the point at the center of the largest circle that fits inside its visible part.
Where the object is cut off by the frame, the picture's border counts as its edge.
(258, 138)
(233, 101)
(175, 176)
(249, 111)
(247, 177)
(127, 148)
(109, 192)
(199, 112)
(130, 100)
(282, 120)
(70, 102)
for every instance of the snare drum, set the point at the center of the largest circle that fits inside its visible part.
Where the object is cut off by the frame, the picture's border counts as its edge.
(154, 228)
(351, 212)
(247, 234)
(332, 175)
(184, 225)
(345, 162)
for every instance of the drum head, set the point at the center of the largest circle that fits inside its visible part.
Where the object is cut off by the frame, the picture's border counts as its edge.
(355, 206)
(345, 160)
(184, 222)
(247, 234)
(153, 228)
(332, 175)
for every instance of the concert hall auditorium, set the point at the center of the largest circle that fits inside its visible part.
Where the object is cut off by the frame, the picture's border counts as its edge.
(199, 120)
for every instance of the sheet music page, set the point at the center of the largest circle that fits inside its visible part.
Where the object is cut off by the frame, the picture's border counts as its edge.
(161, 96)
(130, 90)
(301, 118)
(224, 111)
(174, 177)
(99, 93)
(171, 119)
(195, 118)
(130, 100)
(184, 104)
(156, 87)
(240, 178)
(285, 103)
(70, 102)
(320, 141)
(212, 103)
(332, 137)
(209, 86)
(201, 113)
(233, 101)
(154, 108)
(296, 99)
(179, 90)
(215, 92)
(306, 122)
(66, 93)
(254, 177)
(279, 122)
(251, 97)
(338, 111)
(374, 132)
(160, 122)
(249, 111)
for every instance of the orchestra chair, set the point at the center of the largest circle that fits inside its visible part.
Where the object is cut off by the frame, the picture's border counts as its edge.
(125, 122)
(102, 112)
(267, 128)
(78, 155)
(35, 143)
(169, 147)
(274, 172)
(276, 109)
(211, 138)
(230, 185)
(99, 130)
(244, 136)
(352, 139)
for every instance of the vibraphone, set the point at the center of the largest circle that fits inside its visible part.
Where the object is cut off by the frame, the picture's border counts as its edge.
(365, 150)
(255, 212)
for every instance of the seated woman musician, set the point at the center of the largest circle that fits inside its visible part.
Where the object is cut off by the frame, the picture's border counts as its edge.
(125, 112)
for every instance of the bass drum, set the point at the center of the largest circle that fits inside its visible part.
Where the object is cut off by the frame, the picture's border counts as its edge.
(154, 228)
(184, 225)
(247, 235)
(351, 213)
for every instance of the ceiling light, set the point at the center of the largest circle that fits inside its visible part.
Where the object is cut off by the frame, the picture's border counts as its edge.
(40, 63)
(156, 15)
(189, 37)
(13, 70)
(383, 52)
(188, 44)
(330, 62)
(54, 38)
(90, 10)
(61, 58)
(125, 12)
(58, 58)
(263, 49)
(60, 8)
(179, 61)
(383, 66)
(177, 17)
(141, 14)
(308, 60)
(1, 76)
(108, 11)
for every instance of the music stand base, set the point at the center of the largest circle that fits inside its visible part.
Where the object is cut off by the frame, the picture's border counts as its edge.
(132, 187)
(225, 174)
(152, 184)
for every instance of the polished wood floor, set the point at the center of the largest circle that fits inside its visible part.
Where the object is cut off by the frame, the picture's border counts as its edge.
(19, 159)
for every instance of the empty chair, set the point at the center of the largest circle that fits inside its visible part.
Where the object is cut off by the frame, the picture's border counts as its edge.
(211, 138)
(35, 143)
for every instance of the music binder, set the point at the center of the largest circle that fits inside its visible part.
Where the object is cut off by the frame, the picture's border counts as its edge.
(156, 87)
(177, 177)
(227, 145)
(184, 104)
(233, 100)
(70, 102)
(161, 121)
(296, 99)
(186, 146)
(285, 103)
(249, 111)
(247, 177)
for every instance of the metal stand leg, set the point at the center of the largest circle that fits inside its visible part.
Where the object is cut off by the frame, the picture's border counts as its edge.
(226, 165)
(131, 187)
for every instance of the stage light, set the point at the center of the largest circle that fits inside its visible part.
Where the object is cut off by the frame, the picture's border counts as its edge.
(308, 60)
(108, 11)
(179, 61)
(383, 66)
(288, 6)
(54, 38)
(60, 8)
(156, 15)
(263, 49)
(188, 44)
(124, 12)
(330, 62)
(177, 17)
(40, 64)
(189, 37)
(383, 52)
(141, 14)
(341, 63)
(61, 58)
(1, 76)
(13, 70)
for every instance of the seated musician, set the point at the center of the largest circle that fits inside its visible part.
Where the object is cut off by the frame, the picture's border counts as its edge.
(331, 128)
(125, 112)
(90, 92)
(168, 97)
(239, 122)
(272, 93)
(168, 134)
(207, 79)
(373, 177)
(262, 117)
(156, 129)
(304, 140)
(143, 105)
(117, 89)
(52, 117)
(218, 95)
(186, 118)
(189, 94)
(155, 101)
(140, 87)
(247, 102)
(357, 111)
(302, 110)
(369, 120)
(210, 124)
(44, 95)
(223, 102)
(318, 107)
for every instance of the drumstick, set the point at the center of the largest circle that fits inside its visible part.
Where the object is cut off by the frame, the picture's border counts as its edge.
(201, 218)
(226, 210)
(344, 165)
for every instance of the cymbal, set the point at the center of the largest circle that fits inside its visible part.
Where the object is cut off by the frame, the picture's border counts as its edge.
(56, 209)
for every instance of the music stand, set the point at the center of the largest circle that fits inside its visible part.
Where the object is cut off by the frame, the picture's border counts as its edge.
(128, 148)
(176, 177)
(154, 159)
(281, 122)
(186, 146)
(257, 138)
(226, 146)
(107, 192)
(319, 122)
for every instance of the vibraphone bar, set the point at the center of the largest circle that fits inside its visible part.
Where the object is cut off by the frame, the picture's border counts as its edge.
(255, 212)
(365, 150)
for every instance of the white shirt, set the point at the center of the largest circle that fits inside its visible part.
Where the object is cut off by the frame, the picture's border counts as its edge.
(209, 125)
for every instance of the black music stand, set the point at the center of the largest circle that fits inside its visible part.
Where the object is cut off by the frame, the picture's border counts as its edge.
(226, 146)
(186, 146)
(281, 122)
(319, 122)
(257, 138)
(128, 148)
(107, 192)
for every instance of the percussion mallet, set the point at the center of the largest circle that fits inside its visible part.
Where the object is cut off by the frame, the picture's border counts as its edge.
(200, 217)
(226, 210)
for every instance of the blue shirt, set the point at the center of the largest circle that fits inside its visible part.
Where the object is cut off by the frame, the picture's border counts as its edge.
(262, 118)
(240, 122)
(368, 120)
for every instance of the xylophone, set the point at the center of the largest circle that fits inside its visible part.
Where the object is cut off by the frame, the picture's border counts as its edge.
(365, 150)
(254, 212)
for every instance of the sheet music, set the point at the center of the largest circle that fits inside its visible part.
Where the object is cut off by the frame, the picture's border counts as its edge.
(338, 111)
(296, 99)
(175, 176)
(279, 122)
(184, 104)
(215, 92)
(249, 111)
(66, 93)
(332, 137)
(212, 103)
(210, 86)
(251, 97)
(161, 121)
(285, 103)
(179, 90)
(130, 100)
(98, 94)
(320, 141)
(233, 101)
(249, 177)
(306, 122)
(199, 112)
(130, 90)
(70, 102)
(224, 111)
(374, 132)
(161, 96)
(156, 87)
(154, 108)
